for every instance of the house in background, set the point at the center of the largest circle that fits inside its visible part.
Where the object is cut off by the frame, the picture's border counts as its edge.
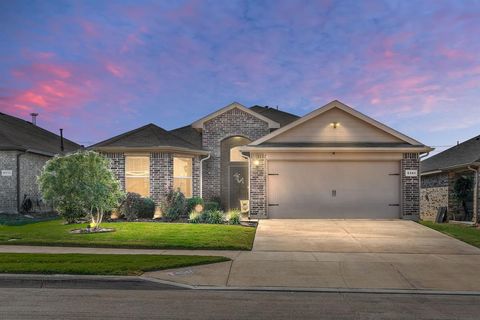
(335, 162)
(438, 175)
(24, 149)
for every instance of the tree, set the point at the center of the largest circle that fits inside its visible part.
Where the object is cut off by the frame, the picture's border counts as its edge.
(462, 190)
(80, 182)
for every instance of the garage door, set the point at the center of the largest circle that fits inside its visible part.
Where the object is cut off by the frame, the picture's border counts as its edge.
(334, 190)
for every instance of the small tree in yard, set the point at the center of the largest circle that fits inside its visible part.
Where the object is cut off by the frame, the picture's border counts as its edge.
(81, 181)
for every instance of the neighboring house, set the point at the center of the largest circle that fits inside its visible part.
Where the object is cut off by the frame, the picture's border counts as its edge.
(332, 163)
(24, 149)
(439, 173)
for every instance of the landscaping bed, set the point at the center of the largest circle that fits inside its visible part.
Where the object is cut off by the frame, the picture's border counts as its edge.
(466, 233)
(132, 235)
(97, 264)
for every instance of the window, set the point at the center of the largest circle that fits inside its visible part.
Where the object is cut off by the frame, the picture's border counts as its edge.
(137, 175)
(182, 175)
(236, 155)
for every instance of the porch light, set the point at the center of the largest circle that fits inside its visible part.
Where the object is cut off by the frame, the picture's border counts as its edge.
(256, 162)
(335, 124)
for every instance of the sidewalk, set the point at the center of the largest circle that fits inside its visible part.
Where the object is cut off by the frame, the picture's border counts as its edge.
(309, 270)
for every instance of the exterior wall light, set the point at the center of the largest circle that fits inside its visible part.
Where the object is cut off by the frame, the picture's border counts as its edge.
(335, 124)
(256, 162)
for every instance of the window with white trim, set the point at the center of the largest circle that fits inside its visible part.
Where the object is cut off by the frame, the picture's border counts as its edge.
(182, 175)
(137, 175)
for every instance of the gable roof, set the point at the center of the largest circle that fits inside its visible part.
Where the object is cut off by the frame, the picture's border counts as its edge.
(199, 123)
(282, 117)
(22, 135)
(149, 136)
(337, 104)
(461, 155)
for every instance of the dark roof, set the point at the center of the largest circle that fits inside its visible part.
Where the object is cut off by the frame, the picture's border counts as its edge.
(189, 134)
(282, 117)
(19, 134)
(460, 155)
(337, 145)
(145, 137)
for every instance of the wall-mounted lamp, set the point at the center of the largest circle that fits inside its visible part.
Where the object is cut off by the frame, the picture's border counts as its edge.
(256, 162)
(335, 124)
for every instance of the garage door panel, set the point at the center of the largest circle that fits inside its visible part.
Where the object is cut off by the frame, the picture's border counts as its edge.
(324, 189)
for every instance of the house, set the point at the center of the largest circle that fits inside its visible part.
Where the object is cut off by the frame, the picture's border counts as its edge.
(331, 163)
(439, 174)
(24, 149)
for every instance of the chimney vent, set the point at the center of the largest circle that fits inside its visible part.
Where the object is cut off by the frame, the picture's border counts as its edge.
(61, 140)
(34, 118)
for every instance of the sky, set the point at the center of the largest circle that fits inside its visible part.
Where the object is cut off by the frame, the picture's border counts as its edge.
(100, 68)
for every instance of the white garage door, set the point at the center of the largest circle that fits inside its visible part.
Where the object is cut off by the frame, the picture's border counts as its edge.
(334, 190)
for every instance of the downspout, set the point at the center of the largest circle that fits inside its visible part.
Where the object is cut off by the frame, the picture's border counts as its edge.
(475, 195)
(420, 182)
(201, 174)
(249, 160)
(18, 180)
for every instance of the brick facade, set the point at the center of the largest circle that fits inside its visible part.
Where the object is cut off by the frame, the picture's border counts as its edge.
(8, 191)
(117, 165)
(258, 185)
(234, 122)
(410, 186)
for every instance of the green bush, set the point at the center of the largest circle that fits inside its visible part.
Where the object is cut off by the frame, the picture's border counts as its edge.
(135, 206)
(213, 217)
(173, 205)
(193, 202)
(72, 214)
(233, 216)
(195, 217)
(211, 206)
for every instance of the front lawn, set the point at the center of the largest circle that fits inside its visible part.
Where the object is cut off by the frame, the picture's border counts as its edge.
(132, 235)
(465, 233)
(100, 264)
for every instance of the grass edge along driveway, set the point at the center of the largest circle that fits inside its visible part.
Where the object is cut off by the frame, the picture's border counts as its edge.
(465, 233)
(143, 235)
(97, 264)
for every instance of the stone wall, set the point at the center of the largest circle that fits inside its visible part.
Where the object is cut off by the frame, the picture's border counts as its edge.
(31, 166)
(234, 122)
(410, 186)
(258, 185)
(433, 195)
(8, 184)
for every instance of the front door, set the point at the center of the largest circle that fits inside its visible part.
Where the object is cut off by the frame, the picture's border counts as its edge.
(238, 184)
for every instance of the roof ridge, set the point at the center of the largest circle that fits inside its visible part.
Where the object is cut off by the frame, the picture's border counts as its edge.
(122, 135)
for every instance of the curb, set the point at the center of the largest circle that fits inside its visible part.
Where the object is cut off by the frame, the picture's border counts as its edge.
(141, 283)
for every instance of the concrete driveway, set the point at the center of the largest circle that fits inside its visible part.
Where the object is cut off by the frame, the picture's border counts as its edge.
(343, 254)
(355, 236)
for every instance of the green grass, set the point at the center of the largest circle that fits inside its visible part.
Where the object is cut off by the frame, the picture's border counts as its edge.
(19, 219)
(132, 235)
(99, 264)
(468, 234)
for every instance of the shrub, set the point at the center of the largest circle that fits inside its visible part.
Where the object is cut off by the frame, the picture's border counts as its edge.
(211, 206)
(213, 217)
(72, 214)
(146, 208)
(134, 207)
(233, 216)
(195, 217)
(173, 205)
(193, 202)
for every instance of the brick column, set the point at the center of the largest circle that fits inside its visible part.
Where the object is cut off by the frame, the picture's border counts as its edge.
(196, 176)
(410, 186)
(161, 175)
(117, 165)
(258, 186)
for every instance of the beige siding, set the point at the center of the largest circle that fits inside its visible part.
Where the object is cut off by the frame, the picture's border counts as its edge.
(350, 129)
